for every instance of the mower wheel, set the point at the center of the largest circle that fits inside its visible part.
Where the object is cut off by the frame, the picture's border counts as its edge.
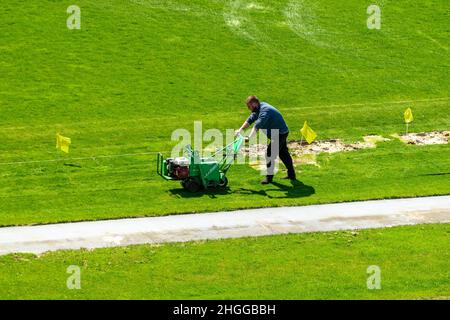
(191, 185)
(223, 182)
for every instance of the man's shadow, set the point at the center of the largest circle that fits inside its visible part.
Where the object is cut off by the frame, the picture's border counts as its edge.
(297, 189)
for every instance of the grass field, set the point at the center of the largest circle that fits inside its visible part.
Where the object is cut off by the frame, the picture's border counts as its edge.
(140, 69)
(413, 262)
(137, 70)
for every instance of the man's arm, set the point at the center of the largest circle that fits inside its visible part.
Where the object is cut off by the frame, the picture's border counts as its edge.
(253, 132)
(244, 126)
(251, 119)
(261, 121)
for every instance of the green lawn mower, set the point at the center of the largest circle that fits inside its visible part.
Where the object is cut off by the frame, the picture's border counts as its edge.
(196, 173)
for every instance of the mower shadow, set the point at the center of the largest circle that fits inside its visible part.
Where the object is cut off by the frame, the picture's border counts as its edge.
(297, 190)
(211, 193)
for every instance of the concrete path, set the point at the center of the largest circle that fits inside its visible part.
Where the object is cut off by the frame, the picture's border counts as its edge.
(258, 222)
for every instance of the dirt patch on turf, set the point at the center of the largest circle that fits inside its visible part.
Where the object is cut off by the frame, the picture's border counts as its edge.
(304, 153)
(425, 138)
(333, 146)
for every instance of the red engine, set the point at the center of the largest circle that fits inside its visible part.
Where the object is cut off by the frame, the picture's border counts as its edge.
(182, 173)
(178, 168)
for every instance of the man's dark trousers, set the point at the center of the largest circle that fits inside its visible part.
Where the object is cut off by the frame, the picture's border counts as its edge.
(283, 153)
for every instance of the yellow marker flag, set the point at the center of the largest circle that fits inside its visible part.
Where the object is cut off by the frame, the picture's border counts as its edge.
(308, 133)
(409, 116)
(63, 143)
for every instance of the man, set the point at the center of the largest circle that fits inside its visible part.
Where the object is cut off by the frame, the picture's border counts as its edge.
(269, 119)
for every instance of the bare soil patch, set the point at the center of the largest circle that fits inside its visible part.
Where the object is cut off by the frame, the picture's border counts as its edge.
(304, 153)
(425, 138)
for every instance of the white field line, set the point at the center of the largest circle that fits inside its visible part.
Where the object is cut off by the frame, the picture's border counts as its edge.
(168, 5)
(156, 152)
(237, 16)
(79, 159)
(301, 20)
(358, 104)
(243, 25)
(298, 15)
(433, 40)
(362, 104)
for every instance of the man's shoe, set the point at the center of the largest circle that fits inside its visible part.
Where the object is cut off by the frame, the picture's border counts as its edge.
(294, 178)
(266, 181)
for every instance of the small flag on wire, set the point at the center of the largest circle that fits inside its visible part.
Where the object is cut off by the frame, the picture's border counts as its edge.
(409, 116)
(308, 133)
(63, 143)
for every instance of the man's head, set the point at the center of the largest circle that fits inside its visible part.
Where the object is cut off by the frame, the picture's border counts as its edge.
(252, 103)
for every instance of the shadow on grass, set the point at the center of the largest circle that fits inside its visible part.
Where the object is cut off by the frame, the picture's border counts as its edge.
(297, 189)
(435, 174)
(212, 193)
(73, 165)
